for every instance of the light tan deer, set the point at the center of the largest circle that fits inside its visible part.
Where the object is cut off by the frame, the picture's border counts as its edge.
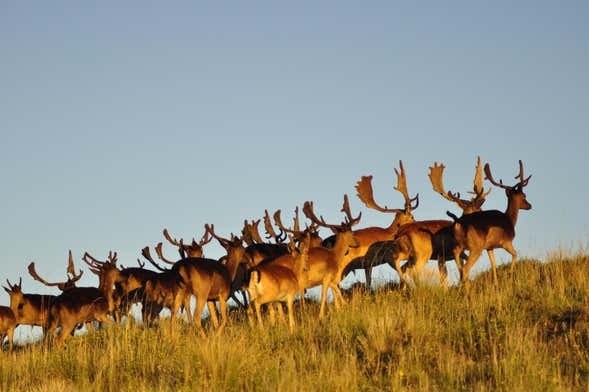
(7, 325)
(326, 265)
(489, 230)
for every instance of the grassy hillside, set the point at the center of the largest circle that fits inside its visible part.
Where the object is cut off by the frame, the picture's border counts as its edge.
(531, 332)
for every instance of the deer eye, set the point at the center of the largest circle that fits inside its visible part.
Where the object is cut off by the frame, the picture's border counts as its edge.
(21, 305)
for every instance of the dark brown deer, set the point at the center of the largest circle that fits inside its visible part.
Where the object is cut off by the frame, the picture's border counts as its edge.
(489, 230)
(129, 283)
(166, 289)
(369, 236)
(7, 325)
(325, 266)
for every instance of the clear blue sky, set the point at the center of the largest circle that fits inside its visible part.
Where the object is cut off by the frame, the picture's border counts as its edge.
(119, 120)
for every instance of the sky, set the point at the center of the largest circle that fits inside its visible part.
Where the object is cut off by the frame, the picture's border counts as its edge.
(117, 120)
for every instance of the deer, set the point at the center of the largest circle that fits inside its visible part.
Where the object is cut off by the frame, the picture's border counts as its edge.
(208, 279)
(325, 265)
(69, 283)
(369, 236)
(166, 289)
(82, 304)
(279, 280)
(7, 325)
(419, 242)
(443, 240)
(258, 250)
(128, 282)
(492, 229)
(29, 309)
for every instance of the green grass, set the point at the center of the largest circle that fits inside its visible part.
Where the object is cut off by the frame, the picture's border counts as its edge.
(529, 333)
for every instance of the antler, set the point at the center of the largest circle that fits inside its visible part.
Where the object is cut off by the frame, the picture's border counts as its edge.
(92, 262)
(254, 231)
(279, 238)
(36, 276)
(160, 255)
(349, 221)
(147, 254)
(365, 193)
(402, 187)
(225, 243)
(171, 240)
(522, 182)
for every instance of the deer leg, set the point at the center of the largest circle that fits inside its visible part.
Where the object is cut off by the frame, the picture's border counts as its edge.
(368, 273)
(186, 301)
(280, 311)
(396, 264)
(511, 250)
(323, 300)
(443, 271)
(10, 334)
(213, 312)
(289, 306)
(472, 258)
(200, 306)
(271, 314)
(257, 306)
(244, 298)
(223, 309)
(493, 264)
(338, 298)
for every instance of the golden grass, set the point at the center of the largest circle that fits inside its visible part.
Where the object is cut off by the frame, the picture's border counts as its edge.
(530, 333)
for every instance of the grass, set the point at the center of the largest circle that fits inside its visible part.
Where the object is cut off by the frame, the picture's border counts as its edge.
(529, 333)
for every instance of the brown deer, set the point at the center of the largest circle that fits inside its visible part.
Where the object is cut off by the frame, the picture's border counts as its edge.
(72, 278)
(489, 230)
(83, 304)
(29, 309)
(209, 280)
(128, 282)
(324, 265)
(166, 289)
(7, 325)
(419, 242)
(79, 305)
(369, 236)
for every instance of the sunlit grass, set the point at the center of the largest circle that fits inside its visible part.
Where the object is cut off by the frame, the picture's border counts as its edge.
(530, 332)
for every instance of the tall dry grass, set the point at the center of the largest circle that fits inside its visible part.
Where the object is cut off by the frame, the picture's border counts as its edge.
(529, 333)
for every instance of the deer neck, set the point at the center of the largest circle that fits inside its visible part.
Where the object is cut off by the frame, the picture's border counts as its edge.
(339, 248)
(512, 210)
(232, 266)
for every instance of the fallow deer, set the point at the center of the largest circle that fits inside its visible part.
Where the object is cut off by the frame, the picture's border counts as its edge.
(7, 325)
(443, 240)
(29, 309)
(209, 280)
(369, 236)
(166, 289)
(271, 284)
(128, 283)
(325, 265)
(83, 304)
(489, 230)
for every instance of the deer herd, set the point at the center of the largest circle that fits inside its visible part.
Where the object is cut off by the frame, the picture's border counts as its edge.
(279, 268)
